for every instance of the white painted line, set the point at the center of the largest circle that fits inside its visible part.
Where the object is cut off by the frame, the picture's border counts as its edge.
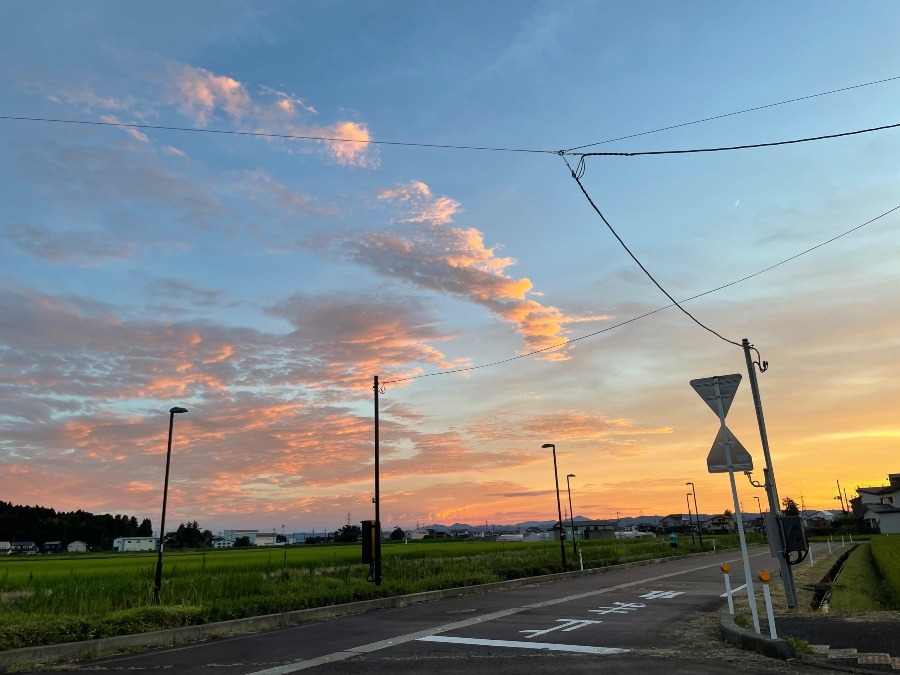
(400, 639)
(734, 590)
(581, 649)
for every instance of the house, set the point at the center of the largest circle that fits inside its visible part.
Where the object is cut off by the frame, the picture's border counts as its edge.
(123, 544)
(676, 522)
(4, 547)
(510, 537)
(820, 518)
(77, 547)
(881, 494)
(221, 542)
(52, 547)
(460, 533)
(882, 518)
(723, 524)
(419, 533)
(586, 529)
(26, 547)
(535, 534)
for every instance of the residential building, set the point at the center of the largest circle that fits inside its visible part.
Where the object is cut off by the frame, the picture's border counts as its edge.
(676, 522)
(77, 547)
(52, 547)
(879, 506)
(26, 547)
(722, 524)
(123, 544)
(587, 529)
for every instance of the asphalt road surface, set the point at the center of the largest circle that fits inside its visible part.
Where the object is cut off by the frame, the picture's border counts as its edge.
(651, 618)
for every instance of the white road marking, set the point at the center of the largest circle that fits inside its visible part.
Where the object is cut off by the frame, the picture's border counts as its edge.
(401, 639)
(655, 595)
(733, 590)
(582, 649)
(566, 625)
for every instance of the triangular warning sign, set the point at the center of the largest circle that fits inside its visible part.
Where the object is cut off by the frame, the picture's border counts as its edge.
(717, 460)
(706, 387)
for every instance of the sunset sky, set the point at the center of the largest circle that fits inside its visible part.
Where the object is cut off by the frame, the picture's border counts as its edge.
(262, 281)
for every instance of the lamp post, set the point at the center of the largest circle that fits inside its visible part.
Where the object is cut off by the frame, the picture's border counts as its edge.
(759, 505)
(562, 544)
(697, 511)
(690, 522)
(572, 516)
(162, 521)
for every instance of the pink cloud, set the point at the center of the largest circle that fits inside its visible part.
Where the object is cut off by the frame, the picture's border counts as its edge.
(136, 134)
(201, 94)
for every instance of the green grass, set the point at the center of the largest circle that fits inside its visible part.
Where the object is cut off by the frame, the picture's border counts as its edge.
(859, 587)
(886, 555)
(62, 598)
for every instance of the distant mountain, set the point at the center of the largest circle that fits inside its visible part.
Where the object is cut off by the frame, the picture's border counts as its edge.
(542, 524)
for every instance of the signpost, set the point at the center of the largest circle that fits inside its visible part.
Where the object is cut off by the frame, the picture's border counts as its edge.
(726, 455)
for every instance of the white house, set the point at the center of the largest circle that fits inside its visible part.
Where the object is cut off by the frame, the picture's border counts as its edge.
(418, 534)
(122, 544)
(77, 547)
(266, 538)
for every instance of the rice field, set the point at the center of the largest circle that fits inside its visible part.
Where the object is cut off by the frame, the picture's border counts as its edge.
(63, 598)
(886, 554)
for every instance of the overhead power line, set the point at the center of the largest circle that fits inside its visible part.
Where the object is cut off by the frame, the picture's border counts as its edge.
(652, 312)
(731, 147)
(584, 191)
(732, 114)
(263, 134)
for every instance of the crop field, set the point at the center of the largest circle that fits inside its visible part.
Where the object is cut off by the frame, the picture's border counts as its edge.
(64, 598)
(886, 553)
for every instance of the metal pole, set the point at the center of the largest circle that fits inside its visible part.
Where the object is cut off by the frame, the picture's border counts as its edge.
(376, 548)
(696, 513)
(572, 516)
(690, 522)
(157, 584)
(562, 544)
(787, 574)
(748, 575)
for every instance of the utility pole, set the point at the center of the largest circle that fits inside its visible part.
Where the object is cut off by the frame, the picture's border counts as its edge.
(787, 574)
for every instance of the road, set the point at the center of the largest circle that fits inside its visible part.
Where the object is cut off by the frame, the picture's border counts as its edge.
(655, 616)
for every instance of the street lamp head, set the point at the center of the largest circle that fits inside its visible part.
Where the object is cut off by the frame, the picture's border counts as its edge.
(571, 475)
(549, 445)
(178, 410)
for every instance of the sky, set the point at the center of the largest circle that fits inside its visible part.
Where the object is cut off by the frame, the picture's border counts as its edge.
(294, 231)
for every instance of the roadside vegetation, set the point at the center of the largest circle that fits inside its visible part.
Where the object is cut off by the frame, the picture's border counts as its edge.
(859, 587)
(886, 555)
(54, 599)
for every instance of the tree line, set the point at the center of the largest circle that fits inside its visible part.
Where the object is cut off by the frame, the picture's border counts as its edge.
(40, 524)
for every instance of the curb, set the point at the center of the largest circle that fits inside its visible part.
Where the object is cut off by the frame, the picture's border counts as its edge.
(746, 639)
(92, 649)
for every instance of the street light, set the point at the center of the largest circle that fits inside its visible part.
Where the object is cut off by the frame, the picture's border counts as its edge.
(572, 516)
(162, 520)
(697, 511)
(690, 522)
(758, 505)
(562, 545)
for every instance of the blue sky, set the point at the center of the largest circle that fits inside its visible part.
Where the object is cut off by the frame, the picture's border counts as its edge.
(262, 282)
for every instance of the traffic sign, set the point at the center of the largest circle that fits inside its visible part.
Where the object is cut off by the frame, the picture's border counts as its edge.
(717, 460)
(706, 387)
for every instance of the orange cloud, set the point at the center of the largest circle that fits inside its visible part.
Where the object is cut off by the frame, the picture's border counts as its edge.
(456, 261)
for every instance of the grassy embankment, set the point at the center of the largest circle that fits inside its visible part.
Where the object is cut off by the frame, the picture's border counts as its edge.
(870, 579)
(54, 599)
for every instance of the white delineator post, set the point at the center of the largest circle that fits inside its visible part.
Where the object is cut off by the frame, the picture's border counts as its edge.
(765, 577)
(725, 568)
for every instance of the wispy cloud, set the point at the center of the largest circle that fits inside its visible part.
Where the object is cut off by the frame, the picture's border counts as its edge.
(205, 96)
